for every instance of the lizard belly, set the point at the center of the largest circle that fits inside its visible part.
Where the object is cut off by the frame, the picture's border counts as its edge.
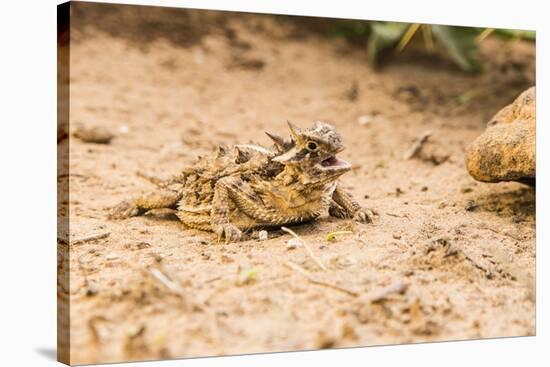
(248, 211)
(244, 221)
(276, 212)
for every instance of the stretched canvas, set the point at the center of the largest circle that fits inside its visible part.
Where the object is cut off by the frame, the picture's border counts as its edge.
(234, 183)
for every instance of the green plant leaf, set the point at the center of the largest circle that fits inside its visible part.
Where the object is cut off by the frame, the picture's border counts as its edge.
(332, 235)
(516, 33)
(384, 35)
(351, 29)
(460, 43)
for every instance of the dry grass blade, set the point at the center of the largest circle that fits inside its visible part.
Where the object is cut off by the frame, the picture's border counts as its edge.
(310, 277)
(167, 282)
(404, 41)
(310, 252)
(483, 35)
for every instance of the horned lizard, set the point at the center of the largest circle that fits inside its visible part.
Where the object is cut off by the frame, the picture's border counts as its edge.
(250, 186)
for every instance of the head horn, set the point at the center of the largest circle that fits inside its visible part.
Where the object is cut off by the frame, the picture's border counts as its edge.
(294, 132)
(279, 142)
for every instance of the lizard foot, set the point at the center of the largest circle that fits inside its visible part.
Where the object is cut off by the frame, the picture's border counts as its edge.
(123, 210)
(364, 215)
(229, 231)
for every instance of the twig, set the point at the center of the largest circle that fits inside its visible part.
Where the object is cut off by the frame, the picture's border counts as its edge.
(213, 279)
(488, 274)
(315, 258)
(167, 282)
(90, 238)
(70, 174)
(398, 216)
(310, 277)
(417, 145)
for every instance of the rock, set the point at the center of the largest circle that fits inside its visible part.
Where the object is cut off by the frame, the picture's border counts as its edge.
(506, 150)
(94, 134)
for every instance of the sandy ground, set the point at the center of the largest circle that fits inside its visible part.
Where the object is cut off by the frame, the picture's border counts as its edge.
(464, 250)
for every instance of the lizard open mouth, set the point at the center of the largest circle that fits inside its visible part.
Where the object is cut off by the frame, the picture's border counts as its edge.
(333, 162)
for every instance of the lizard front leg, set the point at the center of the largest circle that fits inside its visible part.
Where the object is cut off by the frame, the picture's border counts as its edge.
(219, 214)
(337, 211)
(344, 206)
(161, 199)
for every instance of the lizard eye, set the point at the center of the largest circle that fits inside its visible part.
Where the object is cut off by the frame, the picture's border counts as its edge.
(312, 145)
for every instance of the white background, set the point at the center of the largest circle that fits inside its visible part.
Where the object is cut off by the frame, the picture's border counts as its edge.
(28, 182)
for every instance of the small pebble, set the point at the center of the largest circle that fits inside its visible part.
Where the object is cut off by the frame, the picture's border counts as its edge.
(364, 120)
(262, 235)
(470, 205)
(292, 243)
(466, 190)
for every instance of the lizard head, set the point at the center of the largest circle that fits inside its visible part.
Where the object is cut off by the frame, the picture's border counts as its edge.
(312, 152)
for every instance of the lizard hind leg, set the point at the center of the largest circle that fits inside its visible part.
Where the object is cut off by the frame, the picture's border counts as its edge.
(195, 220)
(161, 199)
